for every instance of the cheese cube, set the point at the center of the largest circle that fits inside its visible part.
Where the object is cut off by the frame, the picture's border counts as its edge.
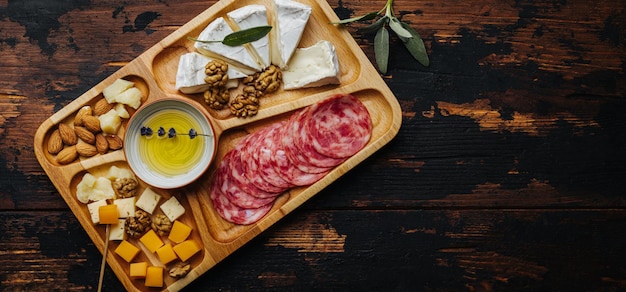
(138, 270)
(112, 91)
(186, 249)
(102, 189)
(117, 231)
(148, 200)
(166, 254)
(108, 214)
(154, 277)
(127, 250)
(126, 206)
(119, 172)
(172, 209)
(151, 240)
(93, 210)
(180, 231)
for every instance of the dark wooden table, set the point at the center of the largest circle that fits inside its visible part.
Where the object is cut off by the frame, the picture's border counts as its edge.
(508, 172)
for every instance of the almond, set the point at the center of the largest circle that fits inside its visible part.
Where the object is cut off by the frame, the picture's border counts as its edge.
(115, 142)
(67, 135)
(102, 107)
(101, 143)
(67, 155)
(92, 124)
(55, 143)
(82, 112)
(85, 134)
(86, 150)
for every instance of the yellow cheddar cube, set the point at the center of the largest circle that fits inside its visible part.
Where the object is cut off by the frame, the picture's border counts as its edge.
(127, 250)
(154, 277)
(179, 233)
(187, 249)
(151, 240)
(138, 270)
(166, 254)
(108, 214)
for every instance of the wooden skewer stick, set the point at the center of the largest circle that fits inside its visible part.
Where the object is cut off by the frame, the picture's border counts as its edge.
(104, 257)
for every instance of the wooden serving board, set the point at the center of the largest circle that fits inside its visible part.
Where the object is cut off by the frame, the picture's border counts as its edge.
(154, 74)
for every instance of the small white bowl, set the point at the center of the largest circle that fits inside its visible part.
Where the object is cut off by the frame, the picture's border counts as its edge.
(143, 165)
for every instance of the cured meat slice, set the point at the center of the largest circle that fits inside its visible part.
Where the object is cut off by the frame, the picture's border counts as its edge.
(230, 184)
(285, 168)
(266, 165)
(303, 141)
(238, 174)
(255, 170)
(292, 131)
(339, 126)
(233, 213)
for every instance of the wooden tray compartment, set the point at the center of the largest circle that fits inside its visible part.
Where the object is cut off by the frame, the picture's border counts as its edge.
(154, 73)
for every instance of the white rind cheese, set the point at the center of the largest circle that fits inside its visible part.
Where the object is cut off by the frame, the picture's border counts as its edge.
(313, 66)
(289, 20)
(238, 55)
(190, 75)
(253, 16)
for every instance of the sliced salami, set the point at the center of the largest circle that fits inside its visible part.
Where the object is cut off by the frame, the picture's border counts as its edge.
(302, 139)
(339, 126)
(233, 213)
(266, 165)
(252, 169)
(237, 192)
(292, 131)
(286, 169)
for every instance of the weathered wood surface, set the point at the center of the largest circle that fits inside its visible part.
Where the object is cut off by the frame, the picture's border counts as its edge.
(508, 171)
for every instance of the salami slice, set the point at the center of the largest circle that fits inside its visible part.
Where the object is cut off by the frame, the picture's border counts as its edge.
(267, 167)
(254, 169)
(302, 139)
(231, 184)
(340, 126)
(292, 131)
(231, 212)
(287, 170)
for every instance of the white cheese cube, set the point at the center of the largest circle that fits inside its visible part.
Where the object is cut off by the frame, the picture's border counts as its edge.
(148, 200)
(117, 231)
(314, 66)
(117, 87)
(102, 189)
(172, 209)
(119, 172)
(93, 210)
(125, 206)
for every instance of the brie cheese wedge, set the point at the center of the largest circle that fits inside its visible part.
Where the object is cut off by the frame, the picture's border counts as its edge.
(314, 66)
(237, 56)
(253, 16)
(288, 20)
(190, 75)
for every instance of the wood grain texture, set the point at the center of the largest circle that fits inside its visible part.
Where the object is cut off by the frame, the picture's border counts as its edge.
(507, 172)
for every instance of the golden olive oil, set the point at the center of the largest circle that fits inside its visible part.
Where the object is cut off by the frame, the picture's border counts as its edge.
(171, 156)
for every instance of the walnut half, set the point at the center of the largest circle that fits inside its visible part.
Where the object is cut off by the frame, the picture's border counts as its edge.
(216, 71)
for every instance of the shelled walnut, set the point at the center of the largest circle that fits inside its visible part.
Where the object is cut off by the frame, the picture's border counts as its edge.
(269, 80)
(137, 225)
(180, 270)
(161, 224)
(244, 105)
(125, 187)
(216, 71)
(217, 97)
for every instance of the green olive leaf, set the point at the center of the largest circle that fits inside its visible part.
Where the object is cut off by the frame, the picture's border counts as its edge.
(415, 45)
(375, 26)
(241, 37)
(381, 49)
(368, 16)
(395, 25)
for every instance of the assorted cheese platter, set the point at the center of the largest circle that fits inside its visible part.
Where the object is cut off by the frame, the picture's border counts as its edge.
(284, 115)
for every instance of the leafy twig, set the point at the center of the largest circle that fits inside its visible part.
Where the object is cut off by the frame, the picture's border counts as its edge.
(410, 38)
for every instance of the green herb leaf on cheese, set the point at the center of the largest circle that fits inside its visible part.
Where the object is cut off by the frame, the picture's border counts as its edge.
(241, 37)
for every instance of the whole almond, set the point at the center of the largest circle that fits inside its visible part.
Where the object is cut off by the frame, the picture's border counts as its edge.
(92, 124)
(55, 143)
(86, 150)
(85, 134)
(102, 107)
(101, 143)
(67, 155)
(82, 112)
(115, 142)
(67, 135)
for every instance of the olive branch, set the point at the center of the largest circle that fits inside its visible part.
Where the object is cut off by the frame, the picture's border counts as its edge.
(409, 37)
